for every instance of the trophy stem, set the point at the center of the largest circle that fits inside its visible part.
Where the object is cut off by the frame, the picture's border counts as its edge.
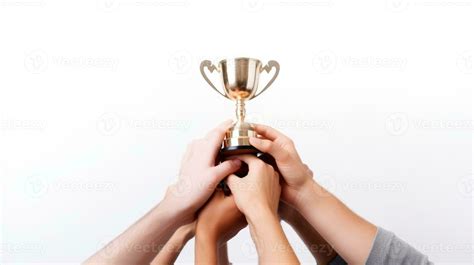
(240, 110)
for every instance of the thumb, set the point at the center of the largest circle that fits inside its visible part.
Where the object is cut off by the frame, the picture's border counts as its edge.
(224, 169)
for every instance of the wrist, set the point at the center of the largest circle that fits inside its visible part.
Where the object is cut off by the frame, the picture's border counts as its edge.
(204, 234)
(206, 241)
(185, 234)
(289, 217)
(180, 216)
(205, 248)
(303, 194)
(260, 214)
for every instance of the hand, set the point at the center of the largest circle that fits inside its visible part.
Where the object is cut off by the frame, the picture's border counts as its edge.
(259, 190)
(257, 196)
(220, 219)
(170, 251)
(199, 174)
(297, 176)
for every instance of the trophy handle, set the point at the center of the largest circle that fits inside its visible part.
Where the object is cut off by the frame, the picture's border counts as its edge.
(208, 64)
(268, 68)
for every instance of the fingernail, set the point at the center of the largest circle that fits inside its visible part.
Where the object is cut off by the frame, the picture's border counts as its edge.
(236, 162)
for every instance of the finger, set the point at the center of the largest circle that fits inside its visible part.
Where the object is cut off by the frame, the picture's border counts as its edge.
(269, 147)
(276, 175)
(252, 161)
(224, 169)
(232, 182)
(269, 133)
(216, 135)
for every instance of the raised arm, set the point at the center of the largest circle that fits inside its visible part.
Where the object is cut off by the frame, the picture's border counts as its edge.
(321, 250)
(198, 178)
(349, 234)
(257, 196)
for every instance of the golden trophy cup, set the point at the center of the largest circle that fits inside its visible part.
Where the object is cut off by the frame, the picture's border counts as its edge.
(239, 77)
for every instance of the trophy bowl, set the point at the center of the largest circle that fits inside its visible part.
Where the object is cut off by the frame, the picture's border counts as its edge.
(240, 77)
(240, 80)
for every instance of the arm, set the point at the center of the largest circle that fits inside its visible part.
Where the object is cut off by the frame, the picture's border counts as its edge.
(208, 251)
(267, 233)
(142, 241)
(257, 196)
(223, 255)
(217, 223)
(349, 234)
(205, 249)
(169, 253)
(322, 252)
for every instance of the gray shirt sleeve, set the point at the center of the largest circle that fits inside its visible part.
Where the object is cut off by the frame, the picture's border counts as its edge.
(388, 249)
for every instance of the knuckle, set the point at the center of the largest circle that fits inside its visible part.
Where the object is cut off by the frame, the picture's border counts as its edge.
(283, 144)
(267, 146)
(260, 165)
(269, 168)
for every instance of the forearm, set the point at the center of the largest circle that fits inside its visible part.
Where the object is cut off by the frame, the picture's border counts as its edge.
(349, 234)
(270, 240)
(170, 252)
(140, 243)
(223, 255)
(205, 249)
(321, 250)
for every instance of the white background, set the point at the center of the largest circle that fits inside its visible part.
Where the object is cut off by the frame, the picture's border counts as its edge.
(98, 100)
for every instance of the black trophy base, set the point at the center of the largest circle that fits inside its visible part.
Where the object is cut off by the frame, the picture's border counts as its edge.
(238, 150)
(227, 152)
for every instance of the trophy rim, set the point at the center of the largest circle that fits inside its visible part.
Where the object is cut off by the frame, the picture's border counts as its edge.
(239, 58)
